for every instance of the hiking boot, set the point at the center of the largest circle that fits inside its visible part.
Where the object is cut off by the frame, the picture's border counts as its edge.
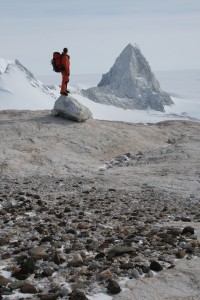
(67, 91)
(64, 93)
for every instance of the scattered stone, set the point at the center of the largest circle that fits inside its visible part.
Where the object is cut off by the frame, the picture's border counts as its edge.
(113, 287)
(27, 267)
(77, 295)
(46, 238)
(175, 231)
(76, 261)
(5, 256)
(119, 250)
(16, 284)
(100, 255)
(4, 240)
(27, 288)
(186, 219)
(134, 273)
(127, 266)
(72, 231)
(56, 258)
(38, 253)
(47, 272)
(180, 253)
(4, 281)
(188, 230)
(64, 292)
(4, 291)
(105, 274)
(149, 274)
(156, 266)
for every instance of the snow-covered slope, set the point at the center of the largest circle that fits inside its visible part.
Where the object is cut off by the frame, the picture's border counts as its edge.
(19, 89)
(130, 84)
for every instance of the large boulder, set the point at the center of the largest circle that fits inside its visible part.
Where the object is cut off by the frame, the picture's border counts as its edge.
(69, 107)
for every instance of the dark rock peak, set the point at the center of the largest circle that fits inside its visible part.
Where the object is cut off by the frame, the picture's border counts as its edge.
(129, 64)
(130, 83)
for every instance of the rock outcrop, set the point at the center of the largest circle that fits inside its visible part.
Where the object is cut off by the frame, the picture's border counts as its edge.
(70, 108)
(130, 84)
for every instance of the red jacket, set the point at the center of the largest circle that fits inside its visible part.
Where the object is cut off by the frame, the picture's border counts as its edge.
(66, 63)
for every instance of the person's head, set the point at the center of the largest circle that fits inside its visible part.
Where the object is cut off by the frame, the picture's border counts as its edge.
(65, 50)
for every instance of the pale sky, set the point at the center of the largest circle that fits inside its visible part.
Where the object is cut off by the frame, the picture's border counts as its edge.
(96, 32)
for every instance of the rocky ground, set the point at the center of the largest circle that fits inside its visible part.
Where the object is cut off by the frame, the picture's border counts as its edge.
(84, 205)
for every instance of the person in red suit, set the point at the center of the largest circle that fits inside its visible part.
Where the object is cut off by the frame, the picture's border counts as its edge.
(65, 62)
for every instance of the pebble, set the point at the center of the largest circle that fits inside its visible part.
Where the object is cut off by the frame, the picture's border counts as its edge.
(76, 261)
(113, 287)
(156, 266)
(134, 273)
(38, 253)
(4, 281)
(27, 288)
(188, 230)
(180, 253)
(16, 284)
(77, 295)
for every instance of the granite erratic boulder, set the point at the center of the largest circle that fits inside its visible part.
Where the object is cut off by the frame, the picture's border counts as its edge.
(70, 108)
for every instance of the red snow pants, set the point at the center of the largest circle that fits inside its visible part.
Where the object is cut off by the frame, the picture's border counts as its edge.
(65, 80)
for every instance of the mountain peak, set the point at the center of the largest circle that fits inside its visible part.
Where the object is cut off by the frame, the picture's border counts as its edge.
(130, 63)
(131, 47)
(131, 81)
(19, 87)
(24, 69)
